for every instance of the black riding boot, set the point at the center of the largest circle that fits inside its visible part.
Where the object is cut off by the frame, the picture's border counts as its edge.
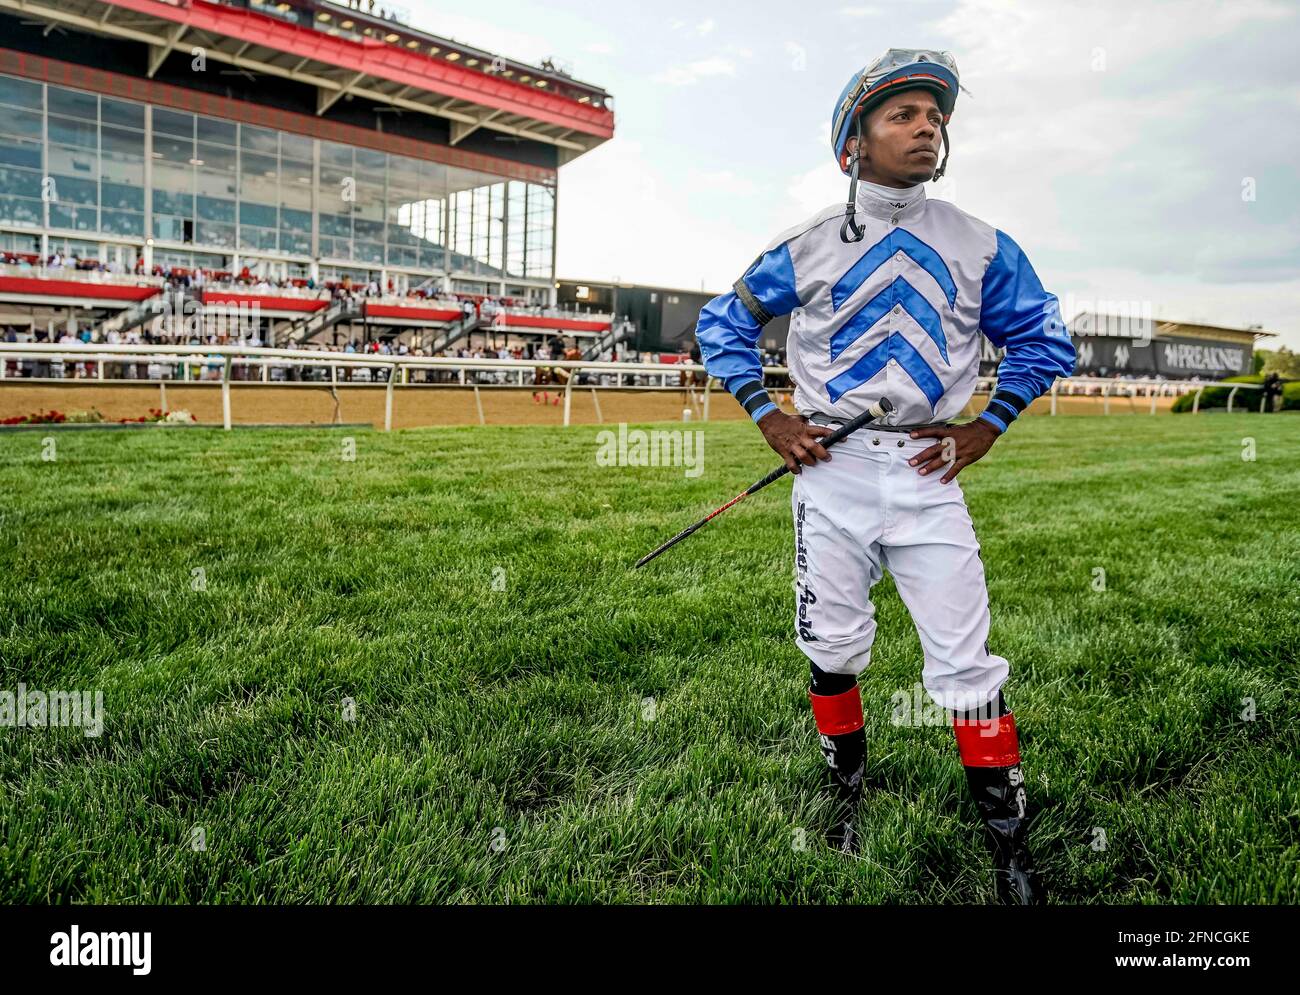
(990, 753)
(837, 708)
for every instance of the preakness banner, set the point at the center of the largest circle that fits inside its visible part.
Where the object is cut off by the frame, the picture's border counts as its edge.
(1175, 357)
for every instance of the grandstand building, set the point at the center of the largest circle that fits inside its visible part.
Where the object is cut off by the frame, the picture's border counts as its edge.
(328, 165)
(1108, 345)
(662, 319)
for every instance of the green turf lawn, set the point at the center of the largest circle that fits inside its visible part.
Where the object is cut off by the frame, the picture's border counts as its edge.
(502, 748)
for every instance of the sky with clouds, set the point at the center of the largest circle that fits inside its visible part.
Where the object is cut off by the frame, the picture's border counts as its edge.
(1139, 152)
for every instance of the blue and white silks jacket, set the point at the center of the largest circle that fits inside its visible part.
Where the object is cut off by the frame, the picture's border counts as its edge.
(899, 314)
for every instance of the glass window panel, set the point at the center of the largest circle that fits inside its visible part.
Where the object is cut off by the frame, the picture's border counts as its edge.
(372, 164)
(214, 208)
(217, 235)
(75, 216)
(402, 256)
(404, 175)
(257, 139)
(400, 235)
(122, 223)
(176, 123)
(295, 184)
(295, 221)
(336, 225)
(516, 224)
(369, 203)
(120, 140)
(336, 155)
(21, 211)
(370, 252)
(78, 163)
(259, 166)
(173, 189)
(295, 146)
(296, 243)
(258, 238)
(216, 185)
(222, 132)
(20, 92)
(124, 169)
(120, 113)
(219, 160)
(20, 152)
(20, 183)
(252, 213)
(73, 103)
(121, 196)
(68, 131)
(23, 124)
(168, 229)
(174, 150)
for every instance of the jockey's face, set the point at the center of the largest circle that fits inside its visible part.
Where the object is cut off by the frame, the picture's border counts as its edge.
(901, 140)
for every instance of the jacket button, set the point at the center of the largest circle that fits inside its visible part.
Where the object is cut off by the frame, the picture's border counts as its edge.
(900, 443)
(875, 442)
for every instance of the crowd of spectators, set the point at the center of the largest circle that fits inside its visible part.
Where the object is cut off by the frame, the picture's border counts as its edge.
(482, 309)
(284, 369)
(247, 280)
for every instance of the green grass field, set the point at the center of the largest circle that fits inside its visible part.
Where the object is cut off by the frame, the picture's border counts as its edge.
(534, 722)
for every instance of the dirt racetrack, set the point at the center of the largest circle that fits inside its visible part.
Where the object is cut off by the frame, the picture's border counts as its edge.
(422, 405)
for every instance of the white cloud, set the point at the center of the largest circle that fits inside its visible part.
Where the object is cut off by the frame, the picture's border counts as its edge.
(498, 36)
(1127, 180)
(816, 189)
(693, 72)
(624, 218)
(725, 181)
(1130, 177)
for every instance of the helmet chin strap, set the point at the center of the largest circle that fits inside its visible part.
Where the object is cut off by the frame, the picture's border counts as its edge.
(943, 129)
(850, 222)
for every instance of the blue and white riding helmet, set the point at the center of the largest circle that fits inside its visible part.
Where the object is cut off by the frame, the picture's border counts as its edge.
(898, 69)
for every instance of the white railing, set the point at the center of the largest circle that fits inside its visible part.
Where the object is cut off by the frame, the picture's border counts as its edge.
(81, 275)
(253, 290)
(222, 359)
(1141, 386)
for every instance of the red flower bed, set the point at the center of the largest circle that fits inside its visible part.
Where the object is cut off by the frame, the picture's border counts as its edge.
(50, 417)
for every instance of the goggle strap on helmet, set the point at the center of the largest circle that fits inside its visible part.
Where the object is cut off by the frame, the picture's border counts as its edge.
(850, 223)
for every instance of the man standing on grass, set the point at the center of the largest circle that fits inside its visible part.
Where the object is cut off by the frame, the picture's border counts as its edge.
(888, 296)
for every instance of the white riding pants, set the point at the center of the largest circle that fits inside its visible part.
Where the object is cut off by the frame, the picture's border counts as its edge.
(866, 511)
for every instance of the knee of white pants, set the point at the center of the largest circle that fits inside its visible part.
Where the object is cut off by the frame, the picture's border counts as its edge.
(965, 684)
(840, 653)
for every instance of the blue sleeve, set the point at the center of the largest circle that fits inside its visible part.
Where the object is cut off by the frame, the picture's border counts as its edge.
(1018, 315)
(730, 324)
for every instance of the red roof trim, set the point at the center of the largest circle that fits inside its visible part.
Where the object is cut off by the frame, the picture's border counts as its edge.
(80, 289)
(381, 59)
(264, 301)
